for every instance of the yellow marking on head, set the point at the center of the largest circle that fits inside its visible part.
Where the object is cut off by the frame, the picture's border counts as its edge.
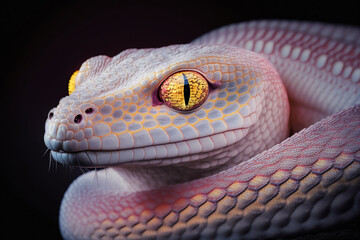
(72, 82)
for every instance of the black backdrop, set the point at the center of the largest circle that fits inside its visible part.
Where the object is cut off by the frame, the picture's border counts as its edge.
(43, 43)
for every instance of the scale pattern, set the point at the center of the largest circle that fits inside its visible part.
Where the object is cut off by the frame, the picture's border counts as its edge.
(305, 183)
(319, 64)
(308, 182)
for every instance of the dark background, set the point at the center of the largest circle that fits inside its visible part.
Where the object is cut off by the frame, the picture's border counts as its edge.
(44, 43)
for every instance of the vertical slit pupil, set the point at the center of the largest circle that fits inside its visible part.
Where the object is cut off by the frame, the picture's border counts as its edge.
(186, 90)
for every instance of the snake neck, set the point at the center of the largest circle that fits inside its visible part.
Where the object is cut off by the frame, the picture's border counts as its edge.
(135, 179)
(142, 178)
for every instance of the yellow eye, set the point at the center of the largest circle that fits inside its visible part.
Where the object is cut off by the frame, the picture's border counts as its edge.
(72, 82)
(184, 91)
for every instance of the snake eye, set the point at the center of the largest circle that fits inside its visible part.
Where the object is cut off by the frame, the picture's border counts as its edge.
(72, 82)
(184, 90)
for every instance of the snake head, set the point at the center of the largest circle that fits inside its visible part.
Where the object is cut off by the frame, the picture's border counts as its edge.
(121, 110)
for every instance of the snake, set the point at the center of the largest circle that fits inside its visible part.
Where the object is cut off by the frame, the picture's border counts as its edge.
(250, 131)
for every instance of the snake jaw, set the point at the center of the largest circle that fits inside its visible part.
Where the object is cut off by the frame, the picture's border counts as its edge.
(208, 148)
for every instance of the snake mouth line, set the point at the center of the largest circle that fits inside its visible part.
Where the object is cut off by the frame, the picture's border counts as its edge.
(164, 154)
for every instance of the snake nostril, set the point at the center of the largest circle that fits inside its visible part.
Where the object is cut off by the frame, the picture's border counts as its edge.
(89, 110)
(78, 118)
(51, 115)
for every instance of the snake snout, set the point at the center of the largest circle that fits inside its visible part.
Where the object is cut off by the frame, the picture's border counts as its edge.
(77, 119)
(64, 128)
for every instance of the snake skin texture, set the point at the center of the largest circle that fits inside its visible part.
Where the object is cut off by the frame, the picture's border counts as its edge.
(319, 64)
(227, 169)
(299, 186)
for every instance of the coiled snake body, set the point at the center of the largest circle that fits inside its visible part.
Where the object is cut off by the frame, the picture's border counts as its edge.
(196, 142)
